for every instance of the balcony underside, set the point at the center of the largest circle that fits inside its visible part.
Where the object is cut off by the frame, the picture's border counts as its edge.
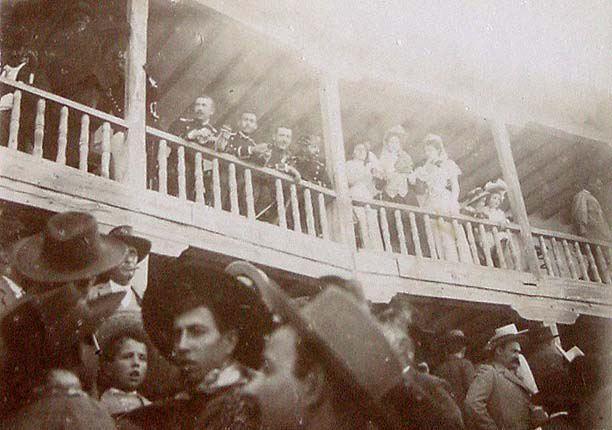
(174, 224)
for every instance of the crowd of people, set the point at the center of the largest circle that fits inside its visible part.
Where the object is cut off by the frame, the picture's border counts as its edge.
(81, 348)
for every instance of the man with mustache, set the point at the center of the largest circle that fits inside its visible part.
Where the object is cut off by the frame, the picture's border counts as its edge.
(499, 398)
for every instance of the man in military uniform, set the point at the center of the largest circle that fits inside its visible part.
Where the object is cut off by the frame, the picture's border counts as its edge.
(309, 162)
(242, 145)
(197, 128)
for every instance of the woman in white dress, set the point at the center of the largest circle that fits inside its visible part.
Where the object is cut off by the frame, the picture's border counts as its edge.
(359, 172)
(440, 177)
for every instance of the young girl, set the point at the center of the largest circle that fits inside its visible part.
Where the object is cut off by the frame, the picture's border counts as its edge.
(123, 366)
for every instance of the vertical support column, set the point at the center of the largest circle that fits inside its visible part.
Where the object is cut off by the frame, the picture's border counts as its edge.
(135, 93)
(506, 160)
(342, 223)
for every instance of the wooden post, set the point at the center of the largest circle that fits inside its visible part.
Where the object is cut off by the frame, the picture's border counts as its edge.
(135, 93)
(504, 153)
(342, 223)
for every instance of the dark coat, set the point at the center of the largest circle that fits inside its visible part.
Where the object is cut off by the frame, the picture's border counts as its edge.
(498, 399)
(459, 373)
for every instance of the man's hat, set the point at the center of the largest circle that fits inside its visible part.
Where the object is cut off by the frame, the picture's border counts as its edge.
(455, 336)
(70, 248)
(504, 335)
(346, 338)
(125, 233)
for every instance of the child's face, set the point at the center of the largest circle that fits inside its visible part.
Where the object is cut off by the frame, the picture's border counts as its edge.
(129, 367)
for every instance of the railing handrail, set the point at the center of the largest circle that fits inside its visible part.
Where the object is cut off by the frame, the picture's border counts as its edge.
(569, 236)
(64, 101)
(392, 205)
(231, 159)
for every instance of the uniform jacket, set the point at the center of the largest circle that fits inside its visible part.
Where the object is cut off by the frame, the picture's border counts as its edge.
(498, 399)
(312, 168)
(239, 144)
(182, 126)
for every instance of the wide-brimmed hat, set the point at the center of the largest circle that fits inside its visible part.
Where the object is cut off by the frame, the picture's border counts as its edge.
(70, 248)
(346, 338)
(503, 335)
(497, 186)
(125, 233)
(474, 195)
(187, 284)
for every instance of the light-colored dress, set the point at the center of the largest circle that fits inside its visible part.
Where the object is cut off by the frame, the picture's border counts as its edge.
(396, 183)
(361, 186)
(451, 245)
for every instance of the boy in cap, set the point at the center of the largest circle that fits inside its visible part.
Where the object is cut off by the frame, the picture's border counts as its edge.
(47, 333)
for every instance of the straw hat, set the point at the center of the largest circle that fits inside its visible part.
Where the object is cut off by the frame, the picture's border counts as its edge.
(504, 335)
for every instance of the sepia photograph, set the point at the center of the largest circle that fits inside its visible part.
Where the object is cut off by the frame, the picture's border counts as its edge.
(321, 215)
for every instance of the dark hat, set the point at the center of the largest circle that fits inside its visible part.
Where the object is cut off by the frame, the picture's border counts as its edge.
(346, 338)
(456, 336)
(125, 233)
(188, 284)
(70, 248)
(505, 334)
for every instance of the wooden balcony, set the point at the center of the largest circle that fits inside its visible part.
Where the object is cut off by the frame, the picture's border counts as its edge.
(209, 200)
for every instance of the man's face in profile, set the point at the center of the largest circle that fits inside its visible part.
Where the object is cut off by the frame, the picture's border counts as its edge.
(277, 389)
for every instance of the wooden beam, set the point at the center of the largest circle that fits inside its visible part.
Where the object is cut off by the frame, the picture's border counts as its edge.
(504, 152)
(136, 94)
(336, 162)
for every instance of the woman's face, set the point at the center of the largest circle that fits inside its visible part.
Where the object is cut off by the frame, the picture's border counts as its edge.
(432, 152)
(495, 200)
(360, 153)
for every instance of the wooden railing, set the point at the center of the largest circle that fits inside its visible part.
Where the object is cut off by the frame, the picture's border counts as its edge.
(191, 172)
(574, 257)
(72, 134)
(61, 130)
(402, 229)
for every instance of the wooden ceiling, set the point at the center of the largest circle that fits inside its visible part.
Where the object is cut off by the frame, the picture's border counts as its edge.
(195, 50)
